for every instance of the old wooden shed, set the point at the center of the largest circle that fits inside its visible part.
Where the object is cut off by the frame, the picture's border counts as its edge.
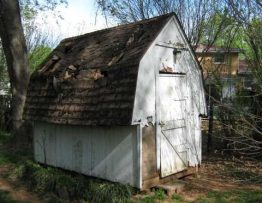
(121, 104)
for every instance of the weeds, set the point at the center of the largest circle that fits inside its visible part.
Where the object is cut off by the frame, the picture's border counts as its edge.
(158, 196)
(177, 198)
(12, 154)
(109, 192)
(71, 186)
(4, 159)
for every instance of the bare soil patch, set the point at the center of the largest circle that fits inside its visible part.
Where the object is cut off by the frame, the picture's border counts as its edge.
(16, 193)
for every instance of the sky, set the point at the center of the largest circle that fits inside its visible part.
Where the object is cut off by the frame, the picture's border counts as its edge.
(78, 17)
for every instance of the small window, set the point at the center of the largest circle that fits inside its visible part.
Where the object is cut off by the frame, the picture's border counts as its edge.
(219, 58)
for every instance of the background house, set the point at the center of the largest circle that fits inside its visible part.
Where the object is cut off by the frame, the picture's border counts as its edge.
(220, 67)
(220, 60)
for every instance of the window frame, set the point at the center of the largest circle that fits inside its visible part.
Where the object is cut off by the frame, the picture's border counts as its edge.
(219, 62)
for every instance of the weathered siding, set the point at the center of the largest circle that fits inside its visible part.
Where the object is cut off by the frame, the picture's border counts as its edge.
(149, 166)
(105, 152)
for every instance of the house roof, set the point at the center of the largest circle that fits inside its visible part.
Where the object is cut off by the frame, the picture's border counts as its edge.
(215, 49)
(91, 79)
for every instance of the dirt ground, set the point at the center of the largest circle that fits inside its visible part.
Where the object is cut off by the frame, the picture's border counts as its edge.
(220, 174)
(220, 179)
(13, 192)
(217, 174)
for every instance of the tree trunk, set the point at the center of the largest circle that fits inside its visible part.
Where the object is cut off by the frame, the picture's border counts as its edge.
(14, 46)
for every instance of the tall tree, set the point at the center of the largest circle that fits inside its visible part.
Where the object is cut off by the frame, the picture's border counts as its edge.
(13, 15)
(192, 14)
(14, 46)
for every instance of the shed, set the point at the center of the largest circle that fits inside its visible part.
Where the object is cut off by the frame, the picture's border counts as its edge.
(121, 104)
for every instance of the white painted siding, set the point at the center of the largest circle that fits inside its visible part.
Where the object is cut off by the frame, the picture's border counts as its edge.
(147, 99)
(105, 152)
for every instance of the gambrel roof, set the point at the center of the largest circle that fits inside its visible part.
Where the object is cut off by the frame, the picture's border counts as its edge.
(91, 79)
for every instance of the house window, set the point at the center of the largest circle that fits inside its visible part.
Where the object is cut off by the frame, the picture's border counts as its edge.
(219, 59)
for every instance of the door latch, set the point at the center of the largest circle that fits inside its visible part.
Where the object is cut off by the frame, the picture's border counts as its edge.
(161, 123)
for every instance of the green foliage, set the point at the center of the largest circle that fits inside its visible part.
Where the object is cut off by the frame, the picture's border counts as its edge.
(216, 27)
(109, 192)
(33, 6)
(71, 186)
(4, 79)
(27, 12)
(37, 56)
(4, 136)
(6, 157)
(158, 196)
(177, 198)
(14, 156)
(4, 160)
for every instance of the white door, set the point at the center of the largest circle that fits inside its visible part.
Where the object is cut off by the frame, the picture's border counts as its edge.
(173, 133)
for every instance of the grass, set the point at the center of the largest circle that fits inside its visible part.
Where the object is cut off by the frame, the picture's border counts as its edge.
(10, 154)
(5, 158)
(158, 196)
(177, 198)
(232, 196)
(14, 157)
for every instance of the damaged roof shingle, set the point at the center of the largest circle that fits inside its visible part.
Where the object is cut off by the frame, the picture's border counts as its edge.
(91, 79)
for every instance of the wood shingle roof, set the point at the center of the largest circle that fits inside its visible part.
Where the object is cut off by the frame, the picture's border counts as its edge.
(91, 79)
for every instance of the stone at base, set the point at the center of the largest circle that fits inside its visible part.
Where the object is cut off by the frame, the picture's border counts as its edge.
(171, 188)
